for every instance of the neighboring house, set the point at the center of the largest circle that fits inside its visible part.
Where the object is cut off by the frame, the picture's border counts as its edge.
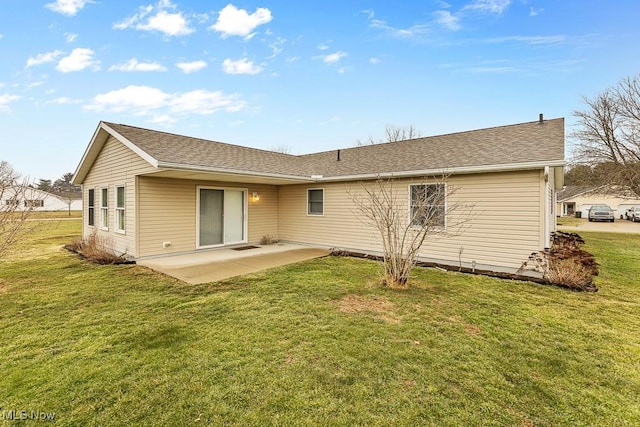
(575, 198)
(31, 198)
(153, 193)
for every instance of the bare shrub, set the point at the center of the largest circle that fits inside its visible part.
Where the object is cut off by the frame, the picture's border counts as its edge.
(565, 264)
(96, 249)
(404, 227)
(16, 207)
(568, 272)
(268, 239)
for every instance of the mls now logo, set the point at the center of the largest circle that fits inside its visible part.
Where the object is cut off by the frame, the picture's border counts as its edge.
(12, 414)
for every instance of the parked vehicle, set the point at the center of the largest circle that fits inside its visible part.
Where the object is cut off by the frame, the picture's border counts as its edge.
(629, 213)
(602, 213)
(636, 215)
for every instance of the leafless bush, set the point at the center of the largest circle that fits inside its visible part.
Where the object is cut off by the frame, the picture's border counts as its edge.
(569, 273)
(565, 264)
(16, 207)
(405, 227)
(268, 239)
(96, 249)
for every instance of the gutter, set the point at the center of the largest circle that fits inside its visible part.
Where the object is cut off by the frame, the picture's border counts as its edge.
(367, 176)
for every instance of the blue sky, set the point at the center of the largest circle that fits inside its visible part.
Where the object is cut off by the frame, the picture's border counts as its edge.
(308, 75)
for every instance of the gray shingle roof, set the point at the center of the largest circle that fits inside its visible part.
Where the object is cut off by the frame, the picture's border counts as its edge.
(532, 142)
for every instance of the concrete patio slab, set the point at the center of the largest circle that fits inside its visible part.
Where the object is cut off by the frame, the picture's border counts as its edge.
(219, 264)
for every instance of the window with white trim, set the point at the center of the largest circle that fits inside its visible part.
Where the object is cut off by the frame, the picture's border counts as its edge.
(13, 202)
(104, 208)
(34, 203)
(315, 201)
(91, 200)
(120, 209)
(427, 205)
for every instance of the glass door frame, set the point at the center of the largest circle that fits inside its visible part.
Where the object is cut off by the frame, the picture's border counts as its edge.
(245, 207)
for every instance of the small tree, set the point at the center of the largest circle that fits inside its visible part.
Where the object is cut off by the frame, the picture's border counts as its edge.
(282, 149)
(44, 185)
(608, 132)
(405, 227)
(16, 206)
(393, 133)
(65, 190)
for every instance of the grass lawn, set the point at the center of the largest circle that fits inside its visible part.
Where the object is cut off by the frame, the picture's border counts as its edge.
(317, 343)
(56, 214)
(569, 221)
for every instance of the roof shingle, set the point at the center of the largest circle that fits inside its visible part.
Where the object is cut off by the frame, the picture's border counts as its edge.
(504, 145)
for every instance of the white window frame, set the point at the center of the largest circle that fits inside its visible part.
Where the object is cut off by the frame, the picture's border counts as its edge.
(104, 209)
(121, 225)
(91, 208)
(442, 226)
(309, 213)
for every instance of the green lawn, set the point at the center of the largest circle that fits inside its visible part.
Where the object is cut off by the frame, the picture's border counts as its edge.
(317, 343)
(569, 221)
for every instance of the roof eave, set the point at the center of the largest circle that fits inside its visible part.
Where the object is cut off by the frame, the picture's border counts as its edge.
(238, 172)
(448, 171)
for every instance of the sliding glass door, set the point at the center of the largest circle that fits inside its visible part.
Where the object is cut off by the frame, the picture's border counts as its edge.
(221, 216)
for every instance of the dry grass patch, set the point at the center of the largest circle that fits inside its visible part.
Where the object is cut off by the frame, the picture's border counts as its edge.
(379, 306)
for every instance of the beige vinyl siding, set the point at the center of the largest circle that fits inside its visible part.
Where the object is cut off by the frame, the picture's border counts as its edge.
(503, 229)
(116, 165)
(167, 213)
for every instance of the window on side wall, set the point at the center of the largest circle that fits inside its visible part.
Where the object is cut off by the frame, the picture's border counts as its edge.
(315, 201)
(104, 208)
(120, 209)
(34, 203)
(91, 199)
(428, 205)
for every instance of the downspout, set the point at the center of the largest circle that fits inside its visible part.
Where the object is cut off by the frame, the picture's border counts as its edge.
(547, 209)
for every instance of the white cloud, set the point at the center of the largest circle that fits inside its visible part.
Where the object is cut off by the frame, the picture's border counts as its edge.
(43, 58)
(134, 65)
(61, 101)
(70, 37)
(447, 20)
(145, 100)
(205, 102)
(323, 46)
(163, 119)
(370, 13)
(488, 6)
(238, 22)
(333, 58)
(241, 66)
(67, 7)
(532, 40)
(534, 12)
(137, 99)
(78, 60)
(414, 30)
(374, 60)
(157, 18)
(276, 47)
(493, 70)
(5, 100)
(191, 67)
